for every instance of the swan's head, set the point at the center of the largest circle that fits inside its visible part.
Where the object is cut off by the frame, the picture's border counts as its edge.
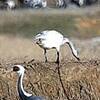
(19, 69)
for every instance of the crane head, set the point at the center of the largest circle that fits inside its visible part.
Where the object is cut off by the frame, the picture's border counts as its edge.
(19, 69)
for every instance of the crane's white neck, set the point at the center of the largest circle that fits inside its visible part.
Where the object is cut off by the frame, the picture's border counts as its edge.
(20, 85)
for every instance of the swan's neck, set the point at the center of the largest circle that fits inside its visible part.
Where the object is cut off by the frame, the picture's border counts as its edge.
(66, 40)
(72, 48)
(20, 87)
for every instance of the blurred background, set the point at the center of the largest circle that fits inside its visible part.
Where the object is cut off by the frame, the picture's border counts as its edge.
(79, 20)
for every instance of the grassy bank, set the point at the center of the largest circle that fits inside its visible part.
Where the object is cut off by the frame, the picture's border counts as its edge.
(27, 22)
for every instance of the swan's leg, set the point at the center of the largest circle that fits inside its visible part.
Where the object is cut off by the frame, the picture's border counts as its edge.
(45, 52)
(57, 61)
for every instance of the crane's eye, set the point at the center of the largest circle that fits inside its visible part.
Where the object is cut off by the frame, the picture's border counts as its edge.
(16, 68)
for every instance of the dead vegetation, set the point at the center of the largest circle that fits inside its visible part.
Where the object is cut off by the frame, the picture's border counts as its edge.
(80, 79)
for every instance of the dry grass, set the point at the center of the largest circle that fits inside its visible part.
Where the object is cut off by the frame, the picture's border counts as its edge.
(80, 79)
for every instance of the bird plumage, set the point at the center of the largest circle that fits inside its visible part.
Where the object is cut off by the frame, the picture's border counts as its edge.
(49, 39)
(52, 39)
(22, 93)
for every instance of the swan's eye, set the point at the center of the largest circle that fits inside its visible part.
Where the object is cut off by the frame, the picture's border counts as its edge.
(40, 40)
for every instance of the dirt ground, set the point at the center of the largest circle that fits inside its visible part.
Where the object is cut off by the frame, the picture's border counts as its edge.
(81, 79)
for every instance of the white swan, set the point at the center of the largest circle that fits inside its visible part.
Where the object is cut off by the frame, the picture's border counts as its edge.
(52, 39)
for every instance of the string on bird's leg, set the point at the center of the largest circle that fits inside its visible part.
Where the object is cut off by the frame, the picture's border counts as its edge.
(45, 55)
(59, 74)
